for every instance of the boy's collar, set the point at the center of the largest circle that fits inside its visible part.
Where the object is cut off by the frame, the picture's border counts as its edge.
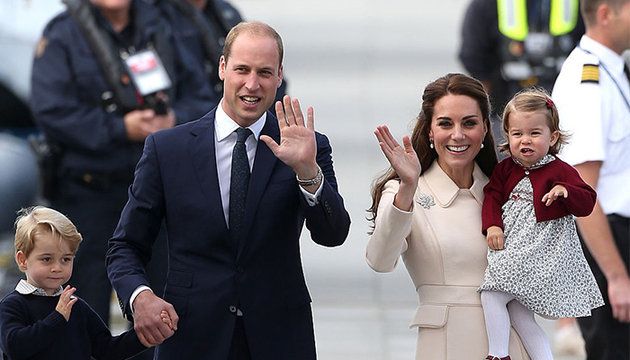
(24, 288)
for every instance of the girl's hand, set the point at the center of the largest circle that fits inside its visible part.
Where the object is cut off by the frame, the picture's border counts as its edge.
(66, 301)
(495, 238)
(556, 192)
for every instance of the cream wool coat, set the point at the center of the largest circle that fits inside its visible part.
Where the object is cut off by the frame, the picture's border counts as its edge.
(444, 251)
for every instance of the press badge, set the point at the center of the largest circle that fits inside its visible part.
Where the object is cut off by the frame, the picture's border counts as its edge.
(147, 72)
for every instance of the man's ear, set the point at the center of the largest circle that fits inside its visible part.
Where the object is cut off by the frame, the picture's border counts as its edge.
(222, 64)
(20, 260)
(280, 75)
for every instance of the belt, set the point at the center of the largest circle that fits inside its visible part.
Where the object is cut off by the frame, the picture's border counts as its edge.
(449, 295)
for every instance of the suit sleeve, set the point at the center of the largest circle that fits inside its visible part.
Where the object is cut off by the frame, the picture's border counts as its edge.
(63, 112)
(130, 247)
(19, 339)
(328, 221)
(493, 199)
(581, 199)
(104, 345)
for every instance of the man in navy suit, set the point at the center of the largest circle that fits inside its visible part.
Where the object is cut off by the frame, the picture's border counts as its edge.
(233, 291)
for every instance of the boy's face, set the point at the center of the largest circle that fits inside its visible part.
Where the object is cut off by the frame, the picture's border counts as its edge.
(49, 265)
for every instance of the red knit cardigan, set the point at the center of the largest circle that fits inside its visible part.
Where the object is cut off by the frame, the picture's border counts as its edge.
(580, 201)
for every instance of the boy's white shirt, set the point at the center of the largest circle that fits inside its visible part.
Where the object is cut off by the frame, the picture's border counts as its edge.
(24, 288)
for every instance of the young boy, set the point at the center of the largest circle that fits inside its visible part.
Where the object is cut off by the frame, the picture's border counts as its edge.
(42, 320)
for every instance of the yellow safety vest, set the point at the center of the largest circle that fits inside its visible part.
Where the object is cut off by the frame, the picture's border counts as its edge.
(512, 16)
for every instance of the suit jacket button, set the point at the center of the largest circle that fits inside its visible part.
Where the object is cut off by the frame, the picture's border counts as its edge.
(232, 309)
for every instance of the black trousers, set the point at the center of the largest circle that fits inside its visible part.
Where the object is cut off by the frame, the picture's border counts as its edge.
(605, 337)
(239, 350)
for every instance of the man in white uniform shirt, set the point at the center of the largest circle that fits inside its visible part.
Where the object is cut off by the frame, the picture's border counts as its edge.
(592, 94)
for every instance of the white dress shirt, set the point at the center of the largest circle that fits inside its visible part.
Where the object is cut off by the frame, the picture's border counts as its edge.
(597, 117)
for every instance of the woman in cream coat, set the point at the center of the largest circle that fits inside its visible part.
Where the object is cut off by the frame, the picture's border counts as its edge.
(427, 208)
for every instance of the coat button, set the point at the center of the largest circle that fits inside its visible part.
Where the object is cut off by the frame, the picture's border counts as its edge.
(232, 309)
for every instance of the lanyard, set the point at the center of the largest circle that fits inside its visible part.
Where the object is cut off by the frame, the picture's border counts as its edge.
(611, 77)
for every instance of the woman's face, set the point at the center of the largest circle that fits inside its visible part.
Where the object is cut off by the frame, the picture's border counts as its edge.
(457, 131)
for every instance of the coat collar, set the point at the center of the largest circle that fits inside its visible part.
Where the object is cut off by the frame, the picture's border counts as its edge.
(446, 191)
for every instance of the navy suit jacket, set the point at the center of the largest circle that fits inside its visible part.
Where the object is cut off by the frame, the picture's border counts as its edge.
(176, 180)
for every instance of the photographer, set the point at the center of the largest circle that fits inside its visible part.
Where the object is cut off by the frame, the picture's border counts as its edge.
(106, 74)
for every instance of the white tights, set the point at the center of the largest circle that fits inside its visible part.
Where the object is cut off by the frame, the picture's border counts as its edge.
(500, 309)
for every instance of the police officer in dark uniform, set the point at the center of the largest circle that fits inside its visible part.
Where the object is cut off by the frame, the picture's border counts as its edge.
(202, 26)
(510, 45)
(94, 74)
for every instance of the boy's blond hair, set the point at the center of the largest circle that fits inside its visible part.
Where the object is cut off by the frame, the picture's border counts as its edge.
(37, 220)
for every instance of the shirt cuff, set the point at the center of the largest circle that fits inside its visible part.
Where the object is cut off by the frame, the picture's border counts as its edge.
(313, 199)
(135, 294)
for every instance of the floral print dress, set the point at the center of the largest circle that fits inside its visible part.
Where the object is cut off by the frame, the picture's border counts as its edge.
(542, 263)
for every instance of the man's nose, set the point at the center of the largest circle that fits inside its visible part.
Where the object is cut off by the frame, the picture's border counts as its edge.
(252, 82)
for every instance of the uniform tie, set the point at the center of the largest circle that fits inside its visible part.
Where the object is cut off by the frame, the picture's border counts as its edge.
(239, 182)
(627, 72)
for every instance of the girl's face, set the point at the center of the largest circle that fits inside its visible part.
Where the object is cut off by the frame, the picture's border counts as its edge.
(529, 136)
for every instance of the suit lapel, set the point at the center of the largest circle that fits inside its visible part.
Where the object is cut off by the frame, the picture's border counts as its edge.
(204, 160)
(264, 164)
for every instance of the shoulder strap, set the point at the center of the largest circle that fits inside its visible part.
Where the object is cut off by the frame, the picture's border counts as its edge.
(104, 50)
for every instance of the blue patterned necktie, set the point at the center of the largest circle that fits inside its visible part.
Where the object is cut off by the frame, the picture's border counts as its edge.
(239, 182)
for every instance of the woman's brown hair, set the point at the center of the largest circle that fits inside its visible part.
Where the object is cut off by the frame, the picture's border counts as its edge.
(453, 84)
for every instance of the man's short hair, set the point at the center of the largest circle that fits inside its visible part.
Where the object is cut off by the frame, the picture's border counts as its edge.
(252, 28)
(38, 220)
(589, 7)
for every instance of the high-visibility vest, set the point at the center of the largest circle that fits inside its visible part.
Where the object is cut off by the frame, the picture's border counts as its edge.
(512, 17)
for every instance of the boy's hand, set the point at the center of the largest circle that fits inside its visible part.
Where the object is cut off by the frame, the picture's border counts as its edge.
(166, 318)
(66, 301)
(495, 238)
(554, 194)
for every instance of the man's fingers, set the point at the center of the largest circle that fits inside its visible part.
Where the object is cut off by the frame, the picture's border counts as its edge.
(143, 339)
(173, 315)
(289, 116)
(310, 118)
(282, 122)
(271, 143)
(297, 111)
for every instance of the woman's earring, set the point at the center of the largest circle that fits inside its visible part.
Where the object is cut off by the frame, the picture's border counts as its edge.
(431, 143)
(482, 145)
